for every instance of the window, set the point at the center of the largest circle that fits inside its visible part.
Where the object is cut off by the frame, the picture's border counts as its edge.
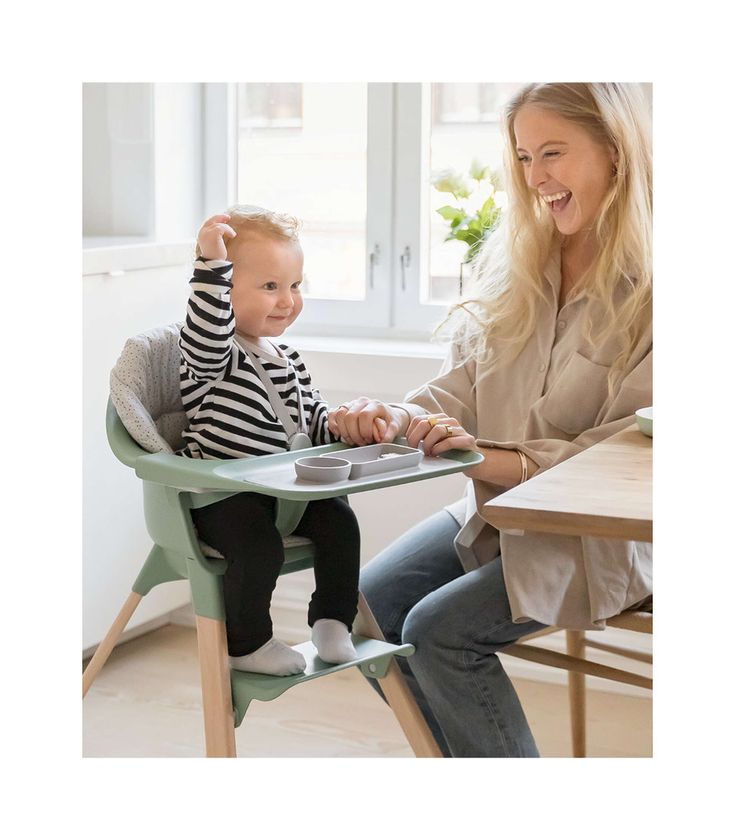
(318, 173)
(354, 162)
(469, 103)
(269, 106)
(465, 129)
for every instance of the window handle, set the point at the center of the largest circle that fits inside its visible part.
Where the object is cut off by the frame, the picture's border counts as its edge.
(405, 262)
(374, 260)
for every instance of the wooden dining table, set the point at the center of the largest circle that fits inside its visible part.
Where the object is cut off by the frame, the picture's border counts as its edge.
(604, 491)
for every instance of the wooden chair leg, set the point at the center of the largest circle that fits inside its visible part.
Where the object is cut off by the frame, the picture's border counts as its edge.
(577, 695)
(219, 722)
(397, 693)
(101, 655)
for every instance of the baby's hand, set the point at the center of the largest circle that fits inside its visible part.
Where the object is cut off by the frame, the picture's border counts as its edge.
(212, 237)
(378, 427)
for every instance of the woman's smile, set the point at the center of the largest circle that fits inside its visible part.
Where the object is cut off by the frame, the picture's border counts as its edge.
(558, 201)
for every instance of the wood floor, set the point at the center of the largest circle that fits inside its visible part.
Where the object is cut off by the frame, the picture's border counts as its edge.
(146, 702)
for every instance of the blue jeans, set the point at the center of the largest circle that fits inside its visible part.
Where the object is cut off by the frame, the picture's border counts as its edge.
(420, 594)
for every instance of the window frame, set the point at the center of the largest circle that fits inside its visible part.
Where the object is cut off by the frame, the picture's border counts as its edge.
(399, 119)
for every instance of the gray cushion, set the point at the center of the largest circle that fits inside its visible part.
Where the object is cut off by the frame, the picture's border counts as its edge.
(144, 387)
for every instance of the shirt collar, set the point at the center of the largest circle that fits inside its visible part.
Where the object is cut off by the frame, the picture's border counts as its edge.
(250, 347)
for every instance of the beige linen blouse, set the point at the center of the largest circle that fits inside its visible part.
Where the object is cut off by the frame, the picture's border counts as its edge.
(551, 402)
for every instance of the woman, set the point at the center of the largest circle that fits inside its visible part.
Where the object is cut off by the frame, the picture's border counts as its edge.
(552, 353)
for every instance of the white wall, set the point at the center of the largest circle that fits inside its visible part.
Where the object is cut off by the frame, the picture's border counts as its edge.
(115, 539)
(179, 190)
(142, 162)
(118, 168)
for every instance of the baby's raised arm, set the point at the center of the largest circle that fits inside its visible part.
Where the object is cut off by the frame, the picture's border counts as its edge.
(205, 340)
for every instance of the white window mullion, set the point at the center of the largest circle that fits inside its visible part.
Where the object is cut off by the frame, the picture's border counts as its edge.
(380, 203)
(411, 317)
(219, 151)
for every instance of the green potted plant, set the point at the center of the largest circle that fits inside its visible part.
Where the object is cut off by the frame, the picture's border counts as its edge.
(479, 206)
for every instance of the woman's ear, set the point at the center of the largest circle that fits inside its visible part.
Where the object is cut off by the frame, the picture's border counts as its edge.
(614, 161)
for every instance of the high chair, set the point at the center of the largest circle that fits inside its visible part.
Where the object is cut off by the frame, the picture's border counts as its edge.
(145, 418)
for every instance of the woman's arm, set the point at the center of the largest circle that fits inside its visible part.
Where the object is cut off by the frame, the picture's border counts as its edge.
(501, 467)
(440, 433)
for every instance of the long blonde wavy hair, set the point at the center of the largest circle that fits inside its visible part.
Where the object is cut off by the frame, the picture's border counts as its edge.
(499, 315)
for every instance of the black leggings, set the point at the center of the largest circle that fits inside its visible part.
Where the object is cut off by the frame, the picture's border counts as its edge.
(242, 528)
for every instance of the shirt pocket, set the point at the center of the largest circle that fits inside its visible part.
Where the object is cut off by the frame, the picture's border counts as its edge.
(574, 401)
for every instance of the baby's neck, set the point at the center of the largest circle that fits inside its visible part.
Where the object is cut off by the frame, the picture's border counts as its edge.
(263, 343)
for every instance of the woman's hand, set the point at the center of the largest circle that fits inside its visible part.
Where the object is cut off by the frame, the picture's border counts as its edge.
(439, 433)
(212, 237)
(364, 421)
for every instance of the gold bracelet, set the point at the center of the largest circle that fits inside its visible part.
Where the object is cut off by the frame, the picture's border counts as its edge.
(524, 465)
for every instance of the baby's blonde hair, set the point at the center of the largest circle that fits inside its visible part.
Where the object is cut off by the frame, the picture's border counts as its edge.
(249, 218)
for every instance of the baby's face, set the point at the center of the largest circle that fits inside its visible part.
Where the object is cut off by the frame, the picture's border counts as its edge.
(266, 285)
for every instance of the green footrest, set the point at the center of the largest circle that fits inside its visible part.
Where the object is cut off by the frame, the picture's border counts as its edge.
(373, 658)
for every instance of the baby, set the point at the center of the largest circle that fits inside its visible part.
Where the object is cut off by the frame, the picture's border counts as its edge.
(246, 395)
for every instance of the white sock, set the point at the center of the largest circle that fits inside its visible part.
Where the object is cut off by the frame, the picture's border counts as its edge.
(332, 641)
(273, 657)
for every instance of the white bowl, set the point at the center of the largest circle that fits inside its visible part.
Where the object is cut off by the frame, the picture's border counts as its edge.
(644, 418)
(323, 469)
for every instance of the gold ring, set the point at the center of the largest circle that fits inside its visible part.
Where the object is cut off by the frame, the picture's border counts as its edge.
(447, 429)
(434, 419)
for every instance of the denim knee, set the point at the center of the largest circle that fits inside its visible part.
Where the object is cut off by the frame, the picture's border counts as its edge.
(425, 627)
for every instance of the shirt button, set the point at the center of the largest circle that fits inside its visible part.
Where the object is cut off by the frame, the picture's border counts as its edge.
(541, 368)
(562, 324)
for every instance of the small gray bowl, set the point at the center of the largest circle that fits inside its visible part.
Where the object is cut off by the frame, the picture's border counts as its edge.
(323, 469)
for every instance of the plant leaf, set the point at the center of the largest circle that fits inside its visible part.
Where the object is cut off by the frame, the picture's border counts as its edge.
(451, 213)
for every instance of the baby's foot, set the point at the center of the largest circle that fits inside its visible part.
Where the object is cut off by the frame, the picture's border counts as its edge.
(332, 641)
(273, 657)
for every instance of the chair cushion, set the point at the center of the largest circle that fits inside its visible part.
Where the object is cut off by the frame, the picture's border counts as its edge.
(144, 387)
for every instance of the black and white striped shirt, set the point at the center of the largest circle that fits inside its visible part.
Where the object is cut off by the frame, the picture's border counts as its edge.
(229, 412)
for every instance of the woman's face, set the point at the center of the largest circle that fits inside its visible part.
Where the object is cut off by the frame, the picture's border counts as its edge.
(570, 171)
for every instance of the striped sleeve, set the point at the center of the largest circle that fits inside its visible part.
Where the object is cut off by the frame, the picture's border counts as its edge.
(319, 430)
(206, 337)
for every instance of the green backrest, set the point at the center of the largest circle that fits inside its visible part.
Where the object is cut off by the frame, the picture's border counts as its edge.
(123, 446)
